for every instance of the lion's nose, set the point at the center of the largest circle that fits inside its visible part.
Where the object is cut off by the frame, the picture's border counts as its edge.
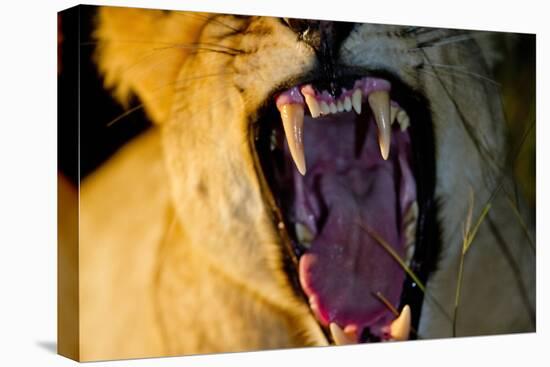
(325, 37)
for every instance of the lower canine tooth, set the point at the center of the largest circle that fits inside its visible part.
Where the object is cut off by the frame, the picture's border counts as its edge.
(400, 328)
(339, 336)
(313, 105)
(356, 100)
(293, 123)
(379, 102)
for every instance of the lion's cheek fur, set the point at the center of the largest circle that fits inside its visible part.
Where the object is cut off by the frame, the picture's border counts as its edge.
(464, 169)
(226, 227)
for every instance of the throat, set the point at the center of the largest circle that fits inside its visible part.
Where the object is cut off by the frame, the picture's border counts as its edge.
(344, 205)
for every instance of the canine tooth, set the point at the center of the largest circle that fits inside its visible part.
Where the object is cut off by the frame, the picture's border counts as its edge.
(340, 106)
(401, 326)
(292, 115)
(339, 336)
(303, 234)
(379, 102)
(333, 108)
(356, 100)
(325, 109)
(393, 113)
(403, 119)
(313, 105)
(347, 104)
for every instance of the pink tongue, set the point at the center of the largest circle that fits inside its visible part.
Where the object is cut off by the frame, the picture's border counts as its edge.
(345, 267)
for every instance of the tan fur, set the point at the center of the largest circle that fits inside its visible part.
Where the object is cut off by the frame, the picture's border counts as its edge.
(179, 250)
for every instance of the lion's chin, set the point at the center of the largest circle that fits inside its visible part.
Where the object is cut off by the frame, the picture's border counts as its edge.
(341, 169)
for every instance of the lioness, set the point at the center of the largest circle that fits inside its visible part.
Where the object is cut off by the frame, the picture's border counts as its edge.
(306, 183)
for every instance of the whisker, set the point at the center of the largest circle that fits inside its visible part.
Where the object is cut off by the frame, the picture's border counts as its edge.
(125, 114)
(210, 47)
(142, 42)
(171, 45)
(460, 70)
(444, 73)
(500, 182)
(524, 228)
(445, 41)
(145, 57)
(177, 83)
(516, 269)
(416, 31)
(469, 128)
(209, 18)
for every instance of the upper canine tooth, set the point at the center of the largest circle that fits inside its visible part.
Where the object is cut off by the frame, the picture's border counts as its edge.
(403, 119)
(292, 115)
(379, 102)
(313, 105)
(356, 100)
(400, 328)
(347, 103)
(339, 335)
(325, 109)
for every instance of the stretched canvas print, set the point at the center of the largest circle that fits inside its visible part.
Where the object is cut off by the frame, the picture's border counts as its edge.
(238, 183)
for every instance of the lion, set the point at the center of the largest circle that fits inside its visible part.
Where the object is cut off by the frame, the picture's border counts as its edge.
(306, 183)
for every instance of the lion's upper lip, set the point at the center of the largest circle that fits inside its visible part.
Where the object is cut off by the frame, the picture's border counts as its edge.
(322, 103)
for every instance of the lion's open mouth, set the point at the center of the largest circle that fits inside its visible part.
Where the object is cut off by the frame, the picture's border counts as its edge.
(344, 170)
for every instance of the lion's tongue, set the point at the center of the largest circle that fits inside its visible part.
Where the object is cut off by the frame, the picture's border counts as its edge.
(345, 267)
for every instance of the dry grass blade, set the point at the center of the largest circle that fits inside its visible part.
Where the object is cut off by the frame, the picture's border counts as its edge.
(473, 234)
(522, 223)
(396, 257)
(468, 238)
(387, 303)
(178, 83)
(408, 270)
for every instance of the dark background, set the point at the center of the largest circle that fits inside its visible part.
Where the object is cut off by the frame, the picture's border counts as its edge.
(98, 138)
